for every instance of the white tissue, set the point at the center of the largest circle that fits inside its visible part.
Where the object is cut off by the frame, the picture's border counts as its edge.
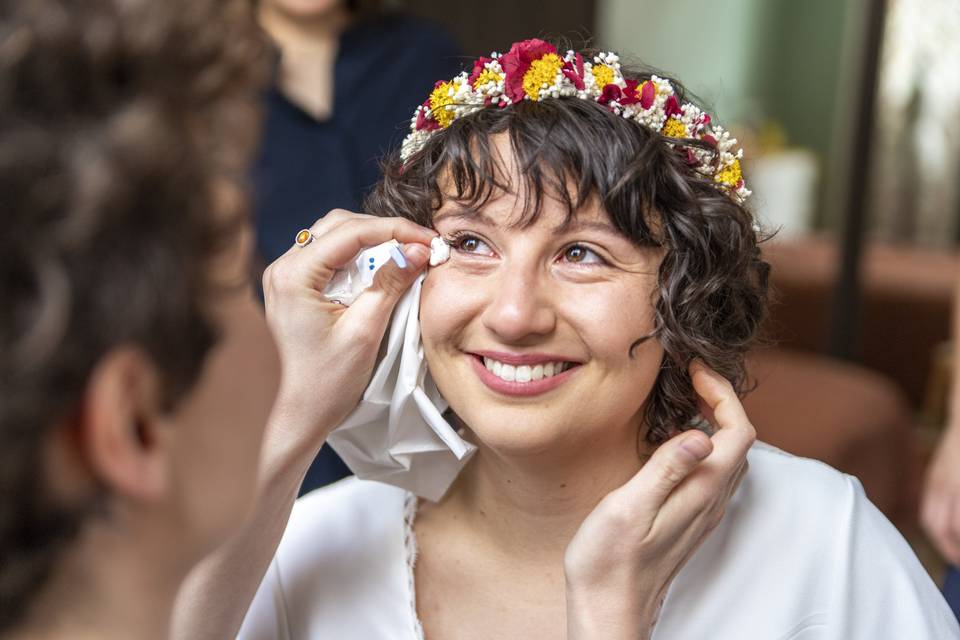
(397, 433)
(439, 251)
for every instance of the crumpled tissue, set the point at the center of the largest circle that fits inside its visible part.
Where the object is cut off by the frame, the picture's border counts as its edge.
(397, 434)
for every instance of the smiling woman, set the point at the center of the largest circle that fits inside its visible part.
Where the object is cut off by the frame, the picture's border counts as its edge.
(604, 284)
(571, 166)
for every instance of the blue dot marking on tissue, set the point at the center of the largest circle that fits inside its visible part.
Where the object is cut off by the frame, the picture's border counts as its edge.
(372, 267)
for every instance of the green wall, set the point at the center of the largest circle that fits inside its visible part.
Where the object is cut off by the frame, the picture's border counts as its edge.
(751, 61)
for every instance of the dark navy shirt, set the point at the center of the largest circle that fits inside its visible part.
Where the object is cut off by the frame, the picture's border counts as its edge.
(384, 68)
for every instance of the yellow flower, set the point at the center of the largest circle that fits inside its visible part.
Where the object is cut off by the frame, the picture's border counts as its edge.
(603, 74)
(541, 72)
(673, 128)
(439, 100)
(487, 76)
(730, 175)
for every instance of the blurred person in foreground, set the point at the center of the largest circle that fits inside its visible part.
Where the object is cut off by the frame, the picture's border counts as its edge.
(136, 368)
(338, 101)
(940, 509)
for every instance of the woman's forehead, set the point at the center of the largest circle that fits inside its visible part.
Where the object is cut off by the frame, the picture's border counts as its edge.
(508, 211)
(558, 194)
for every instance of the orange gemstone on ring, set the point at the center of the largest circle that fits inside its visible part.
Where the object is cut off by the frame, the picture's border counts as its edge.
(303, 237)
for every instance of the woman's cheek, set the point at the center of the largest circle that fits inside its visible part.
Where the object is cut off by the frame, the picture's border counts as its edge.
(446, 304)
(616, 313)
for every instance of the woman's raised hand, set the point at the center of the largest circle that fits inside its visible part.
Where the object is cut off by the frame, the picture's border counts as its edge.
(629, 549)
(327, 350)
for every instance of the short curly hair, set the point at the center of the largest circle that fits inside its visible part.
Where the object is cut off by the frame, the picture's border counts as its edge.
(122, 122)
(712, 283)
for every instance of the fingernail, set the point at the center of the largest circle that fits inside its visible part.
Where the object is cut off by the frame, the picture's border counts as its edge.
(696, 447)
(397, 256)
(416, 255)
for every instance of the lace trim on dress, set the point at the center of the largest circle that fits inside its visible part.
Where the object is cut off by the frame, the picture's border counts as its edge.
(410, 546)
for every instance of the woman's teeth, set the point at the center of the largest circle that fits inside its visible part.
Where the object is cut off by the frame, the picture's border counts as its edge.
(524, 373)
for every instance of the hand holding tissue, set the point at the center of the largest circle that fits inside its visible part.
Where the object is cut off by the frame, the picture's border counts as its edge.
(397, 434)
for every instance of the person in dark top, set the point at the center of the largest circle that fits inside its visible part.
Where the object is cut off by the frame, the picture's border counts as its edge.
(340, 99)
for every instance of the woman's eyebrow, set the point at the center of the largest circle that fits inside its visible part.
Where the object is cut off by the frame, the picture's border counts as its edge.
(460, 213)
(592, 225)
(571, 226)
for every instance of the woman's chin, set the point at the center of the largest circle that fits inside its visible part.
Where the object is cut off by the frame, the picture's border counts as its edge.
(521, 432)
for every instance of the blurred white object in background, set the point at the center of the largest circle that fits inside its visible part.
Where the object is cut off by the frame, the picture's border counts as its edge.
(784, 186)
(916, 195)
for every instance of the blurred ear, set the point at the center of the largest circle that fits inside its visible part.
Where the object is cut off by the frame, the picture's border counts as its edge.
(120, 424)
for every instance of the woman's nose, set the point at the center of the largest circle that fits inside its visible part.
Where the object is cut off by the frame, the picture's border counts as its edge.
(517, 309)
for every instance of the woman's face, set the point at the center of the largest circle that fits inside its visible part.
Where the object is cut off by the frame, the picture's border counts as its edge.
(527, 331)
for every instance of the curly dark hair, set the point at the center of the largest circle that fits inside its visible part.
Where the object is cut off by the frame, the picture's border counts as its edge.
(712, 283)
(122, 125)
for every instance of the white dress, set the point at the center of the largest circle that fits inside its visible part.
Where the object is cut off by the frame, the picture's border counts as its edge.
(801, 554)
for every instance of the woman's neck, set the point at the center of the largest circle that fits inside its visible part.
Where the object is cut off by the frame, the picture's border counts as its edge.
(534, 504)
(309, 48)
(105, 588)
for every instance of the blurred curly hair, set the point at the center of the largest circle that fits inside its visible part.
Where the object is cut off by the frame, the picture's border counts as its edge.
(712, 284)
(121, 121)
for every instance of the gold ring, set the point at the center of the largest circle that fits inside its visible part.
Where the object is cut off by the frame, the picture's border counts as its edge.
(304, 238)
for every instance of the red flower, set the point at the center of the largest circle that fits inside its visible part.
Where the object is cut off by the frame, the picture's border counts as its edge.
(672, 108)
(709, 139)
(423, 122)
(630, 95)
(610, 93)
(478, 68)
(574, 72)
(516, 62)
(648, 93)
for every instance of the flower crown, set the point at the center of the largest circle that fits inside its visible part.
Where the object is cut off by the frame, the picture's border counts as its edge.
(533, 70)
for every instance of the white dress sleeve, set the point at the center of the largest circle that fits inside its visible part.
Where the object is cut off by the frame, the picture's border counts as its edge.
(340, 571)
(267, 617)
(880, 590)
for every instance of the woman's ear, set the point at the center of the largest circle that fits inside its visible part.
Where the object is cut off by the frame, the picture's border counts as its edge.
(120, 425)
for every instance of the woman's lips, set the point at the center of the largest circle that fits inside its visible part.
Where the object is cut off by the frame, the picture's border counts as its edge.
(531, 388)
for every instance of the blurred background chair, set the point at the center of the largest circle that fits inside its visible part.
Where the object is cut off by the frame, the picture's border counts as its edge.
(865, 418)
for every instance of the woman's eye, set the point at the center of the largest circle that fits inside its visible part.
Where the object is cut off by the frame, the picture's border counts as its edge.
(471, 244)
(581, 255)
